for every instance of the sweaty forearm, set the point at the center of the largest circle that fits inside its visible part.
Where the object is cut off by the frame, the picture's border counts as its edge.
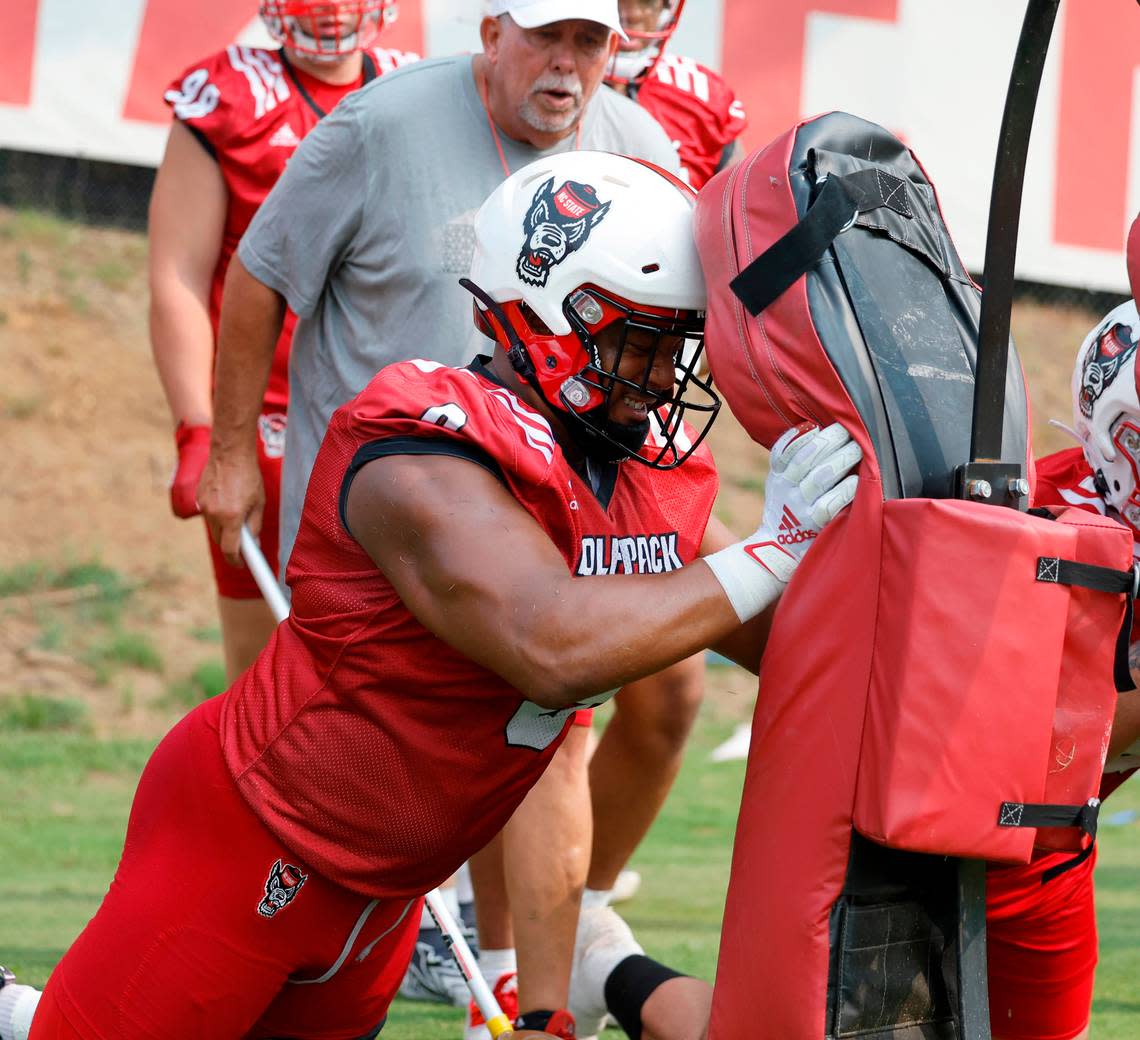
(252, 316)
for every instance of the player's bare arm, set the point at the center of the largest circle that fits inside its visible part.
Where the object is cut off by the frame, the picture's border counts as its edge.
(186, 221)
(474, 568)
(231, 492)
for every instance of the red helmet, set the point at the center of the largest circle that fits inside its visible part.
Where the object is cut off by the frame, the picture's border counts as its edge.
(587, 274)
(637, 55)
(326, 29)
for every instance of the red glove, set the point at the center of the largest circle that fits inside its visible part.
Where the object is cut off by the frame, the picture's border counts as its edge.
(193, 450)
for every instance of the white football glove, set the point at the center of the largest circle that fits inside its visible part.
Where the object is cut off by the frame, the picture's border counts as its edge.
(807, 486)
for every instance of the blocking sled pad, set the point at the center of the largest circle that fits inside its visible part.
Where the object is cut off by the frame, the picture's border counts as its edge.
(938, 681)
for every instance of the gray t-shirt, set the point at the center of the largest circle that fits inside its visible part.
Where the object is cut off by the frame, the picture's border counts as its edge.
(372, 224)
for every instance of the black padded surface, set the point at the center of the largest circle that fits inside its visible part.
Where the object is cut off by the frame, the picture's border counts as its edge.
(897, 313)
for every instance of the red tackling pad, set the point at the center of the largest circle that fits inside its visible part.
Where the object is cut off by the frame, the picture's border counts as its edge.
(920, 682)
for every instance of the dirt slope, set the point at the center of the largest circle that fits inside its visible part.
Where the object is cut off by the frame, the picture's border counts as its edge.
(87, 454)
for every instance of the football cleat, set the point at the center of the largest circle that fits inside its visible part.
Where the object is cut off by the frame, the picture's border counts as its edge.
(506, 992)
(17, 1007)
(432, 974)
(627, 885)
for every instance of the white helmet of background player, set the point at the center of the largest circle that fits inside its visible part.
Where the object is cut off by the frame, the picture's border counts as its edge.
(326, 29)
(648, 24)
(572, 244)
(1106, 409)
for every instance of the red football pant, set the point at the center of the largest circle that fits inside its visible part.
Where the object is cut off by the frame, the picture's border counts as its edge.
(179, 947)
(1042, 948)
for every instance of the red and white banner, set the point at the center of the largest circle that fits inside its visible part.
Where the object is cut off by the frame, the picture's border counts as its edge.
(83, 78)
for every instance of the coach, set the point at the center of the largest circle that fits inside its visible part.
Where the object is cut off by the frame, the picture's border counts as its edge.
(365, 237)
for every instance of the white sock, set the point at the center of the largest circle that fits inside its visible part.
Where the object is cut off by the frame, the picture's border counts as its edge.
(592, 897)
(17, 1006)
(494, 964)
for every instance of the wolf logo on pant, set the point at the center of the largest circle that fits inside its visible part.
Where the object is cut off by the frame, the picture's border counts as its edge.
(281, 888)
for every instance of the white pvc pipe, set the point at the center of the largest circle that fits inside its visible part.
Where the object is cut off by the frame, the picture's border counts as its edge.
(497, 1023)
(263, 575)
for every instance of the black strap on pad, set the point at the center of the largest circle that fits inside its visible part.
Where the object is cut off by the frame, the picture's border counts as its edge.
(839, 202)
(1022, 814)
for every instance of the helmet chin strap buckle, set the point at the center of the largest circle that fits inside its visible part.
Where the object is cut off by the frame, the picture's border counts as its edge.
(516, 351)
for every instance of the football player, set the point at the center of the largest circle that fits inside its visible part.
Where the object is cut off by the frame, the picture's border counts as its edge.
(1042, 936)
(238, 116)
(482, 552)
(641, 749)
(694, 105)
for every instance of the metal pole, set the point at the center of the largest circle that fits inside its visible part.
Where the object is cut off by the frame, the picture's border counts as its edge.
(1001, 236)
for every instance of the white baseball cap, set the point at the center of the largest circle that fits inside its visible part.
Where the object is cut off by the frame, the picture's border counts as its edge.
(530, 14)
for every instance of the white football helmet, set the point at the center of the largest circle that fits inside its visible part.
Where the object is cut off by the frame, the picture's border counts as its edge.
(326, 30)
(573, 244)
(1106, 409)
(642, 49)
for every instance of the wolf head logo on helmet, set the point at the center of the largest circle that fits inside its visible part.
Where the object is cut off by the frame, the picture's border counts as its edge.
(557, 223)
(1112, 349)
(1106, 409)
(601, 310)
(281, 888)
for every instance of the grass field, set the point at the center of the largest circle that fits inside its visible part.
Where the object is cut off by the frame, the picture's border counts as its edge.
(66, 795)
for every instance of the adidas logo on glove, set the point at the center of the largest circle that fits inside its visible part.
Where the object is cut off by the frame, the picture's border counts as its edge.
(792, 532)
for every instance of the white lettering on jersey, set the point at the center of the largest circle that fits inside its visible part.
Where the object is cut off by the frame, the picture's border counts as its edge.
(628, 554)
(427, 366)
(681, 439)
(198, 96)
(534, 726)
(450, 416)
(684, 74)
(263, 73)
(535, 428)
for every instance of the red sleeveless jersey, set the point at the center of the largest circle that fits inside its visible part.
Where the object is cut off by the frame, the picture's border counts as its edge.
(250, 109)
(697, 109)
(372, 748)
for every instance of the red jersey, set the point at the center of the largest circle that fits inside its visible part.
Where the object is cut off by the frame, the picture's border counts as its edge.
(250, 108)
(369, 746)
(697, 109)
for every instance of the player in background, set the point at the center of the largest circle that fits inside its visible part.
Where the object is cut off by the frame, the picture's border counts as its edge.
(641, 749)
(238, 116)
(693, 104)
(283, 832)
(1041, 934)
